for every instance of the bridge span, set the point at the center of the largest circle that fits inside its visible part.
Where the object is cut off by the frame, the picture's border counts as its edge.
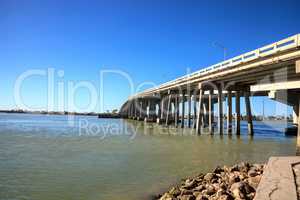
(272, 70)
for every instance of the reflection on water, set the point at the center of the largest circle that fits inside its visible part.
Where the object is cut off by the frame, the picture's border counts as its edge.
(46, 157)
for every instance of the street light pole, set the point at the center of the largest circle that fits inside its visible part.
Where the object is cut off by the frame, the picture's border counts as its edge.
(215, 44)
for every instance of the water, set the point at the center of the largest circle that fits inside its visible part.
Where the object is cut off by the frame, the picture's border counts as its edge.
(47, 158)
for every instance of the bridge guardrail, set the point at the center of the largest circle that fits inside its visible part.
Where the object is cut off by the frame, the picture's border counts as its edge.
(282, 45)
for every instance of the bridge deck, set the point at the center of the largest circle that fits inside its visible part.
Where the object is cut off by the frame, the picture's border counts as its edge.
(264, 61)
(272, 70)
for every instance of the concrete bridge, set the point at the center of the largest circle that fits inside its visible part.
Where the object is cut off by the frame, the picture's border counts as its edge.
(272, 70)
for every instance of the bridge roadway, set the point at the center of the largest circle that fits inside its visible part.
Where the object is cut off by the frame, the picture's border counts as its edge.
(272, 70)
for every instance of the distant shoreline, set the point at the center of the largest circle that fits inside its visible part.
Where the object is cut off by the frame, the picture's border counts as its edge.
(49, 113)
(115, 115)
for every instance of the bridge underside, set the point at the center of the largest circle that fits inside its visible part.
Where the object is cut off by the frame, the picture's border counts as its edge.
(282, 84)
(189, 101)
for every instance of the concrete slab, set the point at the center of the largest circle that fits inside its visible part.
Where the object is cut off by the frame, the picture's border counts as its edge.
(278, 180)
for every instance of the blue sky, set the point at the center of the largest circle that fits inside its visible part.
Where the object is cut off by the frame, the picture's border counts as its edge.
(152, 41)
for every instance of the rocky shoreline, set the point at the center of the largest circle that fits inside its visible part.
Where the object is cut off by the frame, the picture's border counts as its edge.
(224, 183)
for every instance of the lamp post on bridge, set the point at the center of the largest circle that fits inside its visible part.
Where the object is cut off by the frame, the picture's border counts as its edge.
(216, 44)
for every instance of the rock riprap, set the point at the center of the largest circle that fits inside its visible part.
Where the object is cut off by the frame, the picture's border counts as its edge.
(224, 183)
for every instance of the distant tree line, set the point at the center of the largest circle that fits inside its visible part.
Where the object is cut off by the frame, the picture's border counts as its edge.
(53, 112)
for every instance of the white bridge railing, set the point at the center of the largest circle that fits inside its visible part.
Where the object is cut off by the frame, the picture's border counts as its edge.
(282, 45)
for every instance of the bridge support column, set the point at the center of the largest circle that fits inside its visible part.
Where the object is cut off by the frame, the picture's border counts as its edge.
(142, 112)
(138, 106)
(189, 108)
(128, 109)
(152, 110)
(138, 109)
(249, 114)
(176, 106)
(147, 108)
(144, 109)
(131, 110)
(135, 109)
(173, 108)
(229, 112)
(147, 111)
(166, 101)
(210, 112)
(199, 111)
(295, 114)
(195, 109)
(162, 107)
(220, 110)
(168, 109)
(161, 116)
(205, 114)
(158, 111)
(238, 113)
(182, 109)
(298, 134)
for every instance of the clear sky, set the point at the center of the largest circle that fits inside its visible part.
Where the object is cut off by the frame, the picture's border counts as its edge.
(151, 41)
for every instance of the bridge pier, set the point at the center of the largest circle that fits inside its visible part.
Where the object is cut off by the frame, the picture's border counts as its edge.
(173, 108)
(152, 110)
(161, 111)
(249, 114)
(140, 108)
(189, 99)
(238, 113)
(135, 109)
(137, 105)
(194, 108)
(199, 111)
(146, 110)
(182, 109)
(162, 107)
(149, 116)
(143, 110)
(130, 110)
(298, 133)
(158, 111)
(176, 107)
(229, 112)
(168, 108)
(205, 113)
(220, 110)
(296, 121)
(210, 112)
(295, 114)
